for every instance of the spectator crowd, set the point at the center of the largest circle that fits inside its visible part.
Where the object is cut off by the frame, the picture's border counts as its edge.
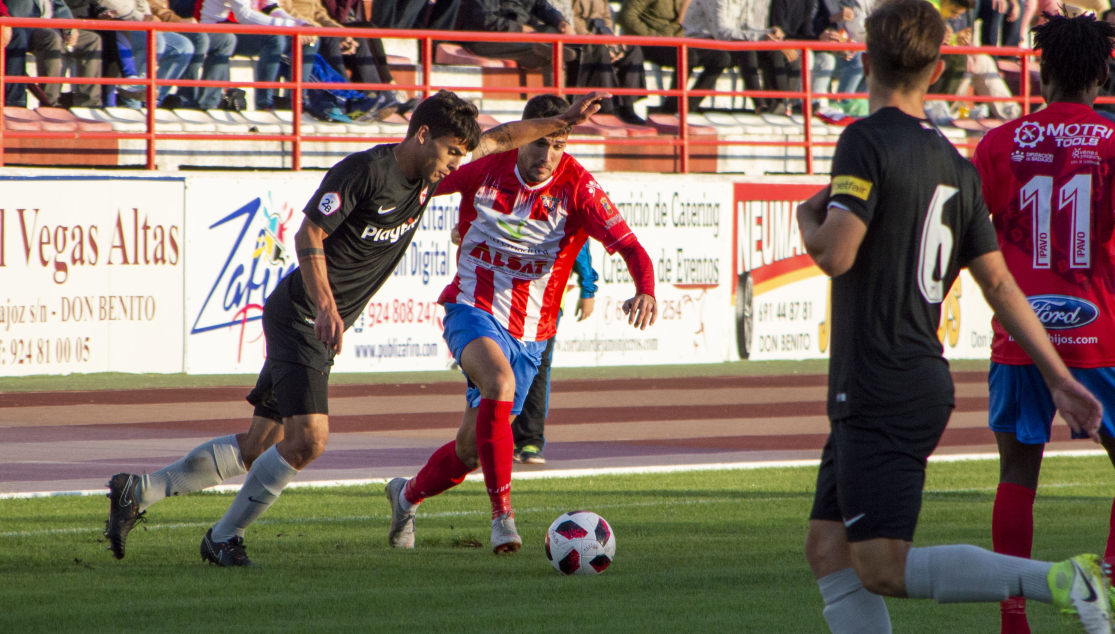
(192, 56)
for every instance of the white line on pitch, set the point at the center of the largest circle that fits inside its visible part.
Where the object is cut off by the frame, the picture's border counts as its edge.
(578, 473)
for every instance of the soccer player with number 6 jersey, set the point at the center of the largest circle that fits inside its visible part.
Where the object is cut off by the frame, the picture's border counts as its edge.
(902, 216)
(525, 214)
(1049, 180)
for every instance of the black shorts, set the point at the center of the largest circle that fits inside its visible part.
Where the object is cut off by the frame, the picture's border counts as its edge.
(290, 389)
(873, 472)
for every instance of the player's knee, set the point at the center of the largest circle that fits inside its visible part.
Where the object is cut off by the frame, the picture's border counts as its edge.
(500, 386)
(306, 449)
(825, 553)
(883, 580)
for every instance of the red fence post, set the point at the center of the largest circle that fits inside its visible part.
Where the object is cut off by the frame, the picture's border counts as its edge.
(559, 67)
(3, 89)
(152, 94)
(807, 110)
(682, 70)
(427, 65)
(1025, 71)
(296, 105)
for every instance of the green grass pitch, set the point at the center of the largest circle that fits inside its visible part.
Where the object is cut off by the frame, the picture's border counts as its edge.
(717, 551)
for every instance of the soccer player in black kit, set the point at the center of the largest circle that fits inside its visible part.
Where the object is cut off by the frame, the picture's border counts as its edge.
(903, 215)
(358, 226)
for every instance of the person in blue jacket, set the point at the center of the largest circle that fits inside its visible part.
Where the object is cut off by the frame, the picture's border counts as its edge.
(529, 426)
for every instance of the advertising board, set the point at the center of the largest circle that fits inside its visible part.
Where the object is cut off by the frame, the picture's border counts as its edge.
(90, 275)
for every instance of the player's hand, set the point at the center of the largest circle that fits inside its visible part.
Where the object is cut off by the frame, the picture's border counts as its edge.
(584, 308)
(1079, 408)
(328, 328)
(584, 107)
(641, 311)
(455, 236)
(815, 208)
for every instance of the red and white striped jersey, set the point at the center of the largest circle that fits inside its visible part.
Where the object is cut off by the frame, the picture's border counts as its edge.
(519, 241)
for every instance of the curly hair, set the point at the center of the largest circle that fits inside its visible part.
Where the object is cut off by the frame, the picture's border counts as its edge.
(1074, 51)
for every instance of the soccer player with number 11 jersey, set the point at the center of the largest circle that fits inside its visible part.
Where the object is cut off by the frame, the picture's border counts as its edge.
(1048, 179)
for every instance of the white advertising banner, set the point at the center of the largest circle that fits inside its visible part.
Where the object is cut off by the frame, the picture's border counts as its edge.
(783, 300)
(90, 275)
(240, 243)
(684, 223)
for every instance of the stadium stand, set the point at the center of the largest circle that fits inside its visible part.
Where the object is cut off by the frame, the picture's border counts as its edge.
(726, 136)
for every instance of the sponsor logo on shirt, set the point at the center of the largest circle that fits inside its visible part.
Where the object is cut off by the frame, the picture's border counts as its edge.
(329, 204)
(382, 234)
(1033, 157)
(1080, 155)
(1030, 133)
(481, 253)
(1061, 312)
(852, 186)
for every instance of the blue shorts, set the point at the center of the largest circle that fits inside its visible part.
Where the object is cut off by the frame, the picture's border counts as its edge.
(465, 324)
(1021, 404)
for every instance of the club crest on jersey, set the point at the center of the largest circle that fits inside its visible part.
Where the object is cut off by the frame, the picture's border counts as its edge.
(329, 204)
(1061, 312)
(383, 234)
(549, 203)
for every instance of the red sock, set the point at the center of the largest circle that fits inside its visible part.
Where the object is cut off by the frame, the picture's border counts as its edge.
(1109, 554)
(1012, 533)
(442, 472)
(495, 444)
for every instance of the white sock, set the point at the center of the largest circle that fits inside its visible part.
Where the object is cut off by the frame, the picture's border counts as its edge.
(268, 477)
(968, 574)
(850, 608)
(407, 505)
(209, 464)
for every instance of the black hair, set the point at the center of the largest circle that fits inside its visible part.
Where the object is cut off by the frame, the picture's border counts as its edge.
(545, 106)
(446, 114)
(1074, 51)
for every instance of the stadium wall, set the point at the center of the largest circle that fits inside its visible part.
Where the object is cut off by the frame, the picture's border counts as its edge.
(107, 272)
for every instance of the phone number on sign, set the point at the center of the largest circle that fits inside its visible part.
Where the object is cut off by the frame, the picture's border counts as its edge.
(400, 311)
(44, 351)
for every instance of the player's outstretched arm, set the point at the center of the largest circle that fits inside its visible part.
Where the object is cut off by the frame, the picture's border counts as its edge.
(1076, 404)
(642, 309)
(328, 326)
(831, 234)
(518, 133)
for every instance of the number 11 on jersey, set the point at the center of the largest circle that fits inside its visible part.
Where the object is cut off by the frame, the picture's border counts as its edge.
(1037, 195)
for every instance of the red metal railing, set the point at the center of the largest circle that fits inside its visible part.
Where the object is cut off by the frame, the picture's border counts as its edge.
(682, 140)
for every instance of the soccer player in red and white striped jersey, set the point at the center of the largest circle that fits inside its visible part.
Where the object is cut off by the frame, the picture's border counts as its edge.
(525, 215)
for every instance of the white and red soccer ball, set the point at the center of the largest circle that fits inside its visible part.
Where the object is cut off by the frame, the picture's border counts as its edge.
(580, 543)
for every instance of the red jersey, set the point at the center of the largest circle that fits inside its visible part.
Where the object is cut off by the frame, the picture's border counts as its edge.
(519, 241)
(1048, 181)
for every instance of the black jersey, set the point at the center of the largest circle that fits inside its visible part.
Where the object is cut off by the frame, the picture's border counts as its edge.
(370, 211)
(925, 220)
